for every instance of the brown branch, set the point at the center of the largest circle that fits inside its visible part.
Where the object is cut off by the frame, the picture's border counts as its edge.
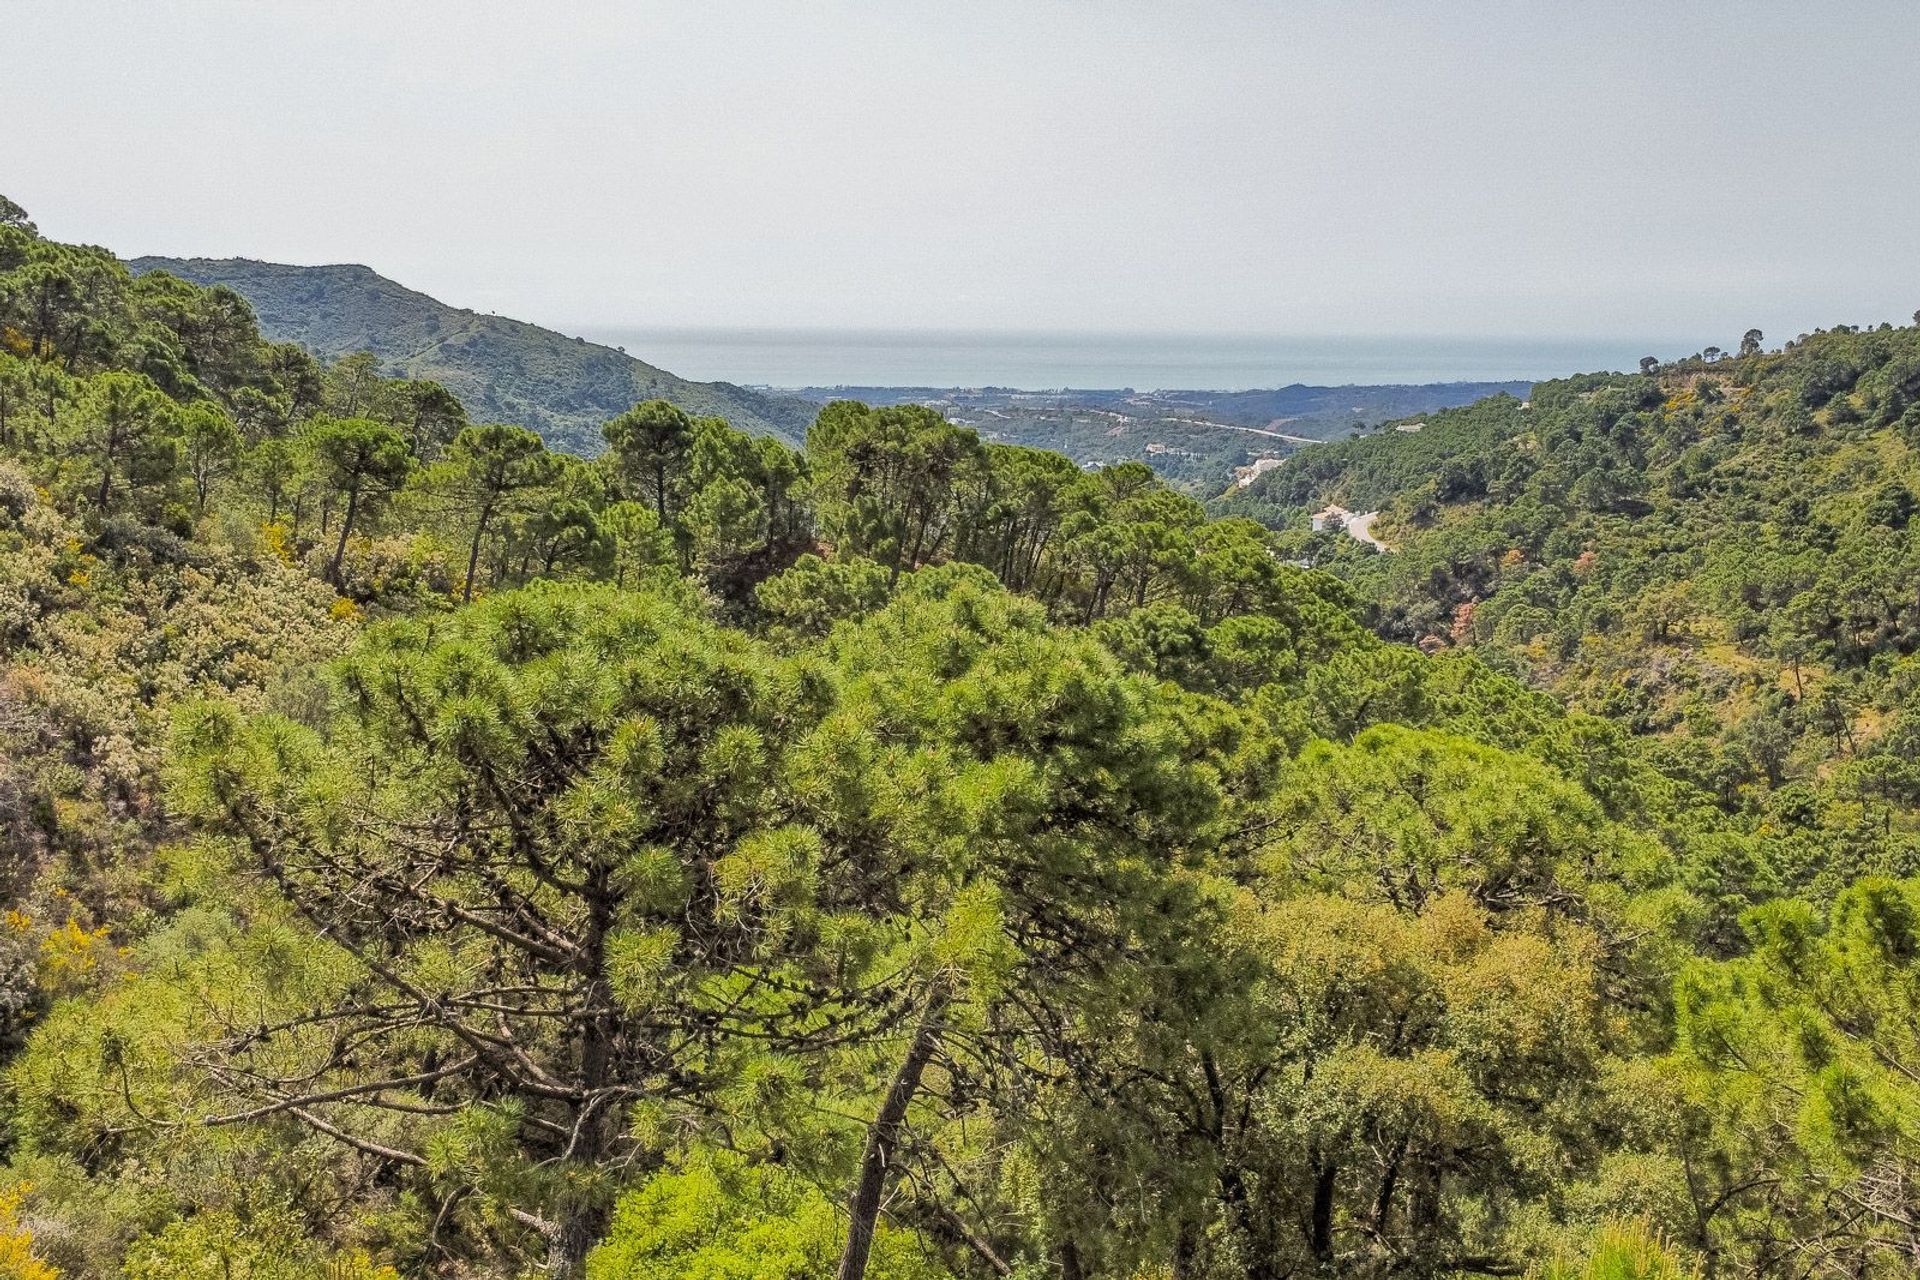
(357, 1143)
(334, 1095)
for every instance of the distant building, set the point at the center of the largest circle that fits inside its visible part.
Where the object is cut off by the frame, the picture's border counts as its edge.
(1410, 427)
(1247, 475)
(1332, 517)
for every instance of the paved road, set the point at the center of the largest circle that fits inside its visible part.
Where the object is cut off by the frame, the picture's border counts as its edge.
(1360, 528)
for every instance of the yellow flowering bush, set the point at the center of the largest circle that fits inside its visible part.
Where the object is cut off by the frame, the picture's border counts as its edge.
(17, 1258)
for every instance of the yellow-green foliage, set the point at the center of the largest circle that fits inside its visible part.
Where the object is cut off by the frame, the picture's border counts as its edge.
(717, 1217)
(99, 654)
(1621, 1251)
(126, 1056)
(222, 1245)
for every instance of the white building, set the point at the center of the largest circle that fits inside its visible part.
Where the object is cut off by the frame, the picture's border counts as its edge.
(1333, 517)
(1260, 467)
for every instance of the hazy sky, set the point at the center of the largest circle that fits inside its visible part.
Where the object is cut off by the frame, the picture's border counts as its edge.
(1470, 168)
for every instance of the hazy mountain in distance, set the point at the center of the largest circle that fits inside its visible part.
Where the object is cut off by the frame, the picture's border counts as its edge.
(503, 370)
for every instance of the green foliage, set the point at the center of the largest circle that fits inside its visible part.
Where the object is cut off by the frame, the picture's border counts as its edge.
(1406, 816)
(222, 1246)
(486, 469)
(718, 1217)
(885, 480)
(1622, 1251)
(605, 759)
(127, 429)
(1805, 1051)
(647, 449)
(729, 503)
(813, 594)
(358, 462)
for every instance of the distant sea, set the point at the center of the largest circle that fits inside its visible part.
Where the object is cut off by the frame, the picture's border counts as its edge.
(919, 358)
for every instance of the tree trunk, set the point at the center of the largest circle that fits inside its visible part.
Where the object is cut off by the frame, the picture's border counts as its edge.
(919, 543)
(1242, 1215)
(1325, 1182)
(579, 1224)
(1186, 1248)
(106, 472)
(883, 1139)
(346, 527)
(1260, 1262)
(572, 1239)
(473, 553)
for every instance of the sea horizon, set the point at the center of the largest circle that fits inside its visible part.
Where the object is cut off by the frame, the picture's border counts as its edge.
(793, 358)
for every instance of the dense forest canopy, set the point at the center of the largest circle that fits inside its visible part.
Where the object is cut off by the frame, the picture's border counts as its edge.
(907, 856)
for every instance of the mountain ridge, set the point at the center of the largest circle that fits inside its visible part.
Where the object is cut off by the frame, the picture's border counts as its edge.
(503, 369)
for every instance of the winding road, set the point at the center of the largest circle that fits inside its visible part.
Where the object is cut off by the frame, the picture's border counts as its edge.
(1360, 528)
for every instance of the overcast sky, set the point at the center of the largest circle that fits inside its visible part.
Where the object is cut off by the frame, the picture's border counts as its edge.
(1290, 168)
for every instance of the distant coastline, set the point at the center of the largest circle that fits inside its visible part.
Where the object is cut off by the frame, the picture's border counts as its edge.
(791, 358)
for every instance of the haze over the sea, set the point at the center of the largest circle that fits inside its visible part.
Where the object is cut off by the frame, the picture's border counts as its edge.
(910, 358)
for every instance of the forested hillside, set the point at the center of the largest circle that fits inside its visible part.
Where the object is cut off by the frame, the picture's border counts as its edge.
(503, 370)
(906, 857)
(1716, 554)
